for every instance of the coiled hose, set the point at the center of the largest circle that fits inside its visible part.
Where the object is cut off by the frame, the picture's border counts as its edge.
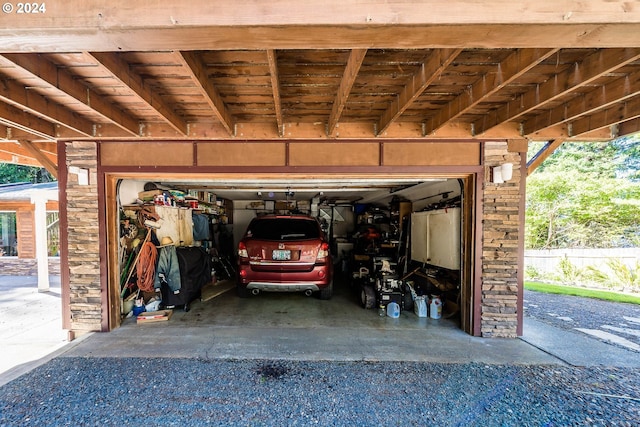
(146, 266)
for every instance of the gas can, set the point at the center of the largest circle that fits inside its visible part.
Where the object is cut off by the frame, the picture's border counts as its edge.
(435, 308)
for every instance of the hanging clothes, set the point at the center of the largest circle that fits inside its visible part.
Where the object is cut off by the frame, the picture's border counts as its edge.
(201, 227)
(168, 269)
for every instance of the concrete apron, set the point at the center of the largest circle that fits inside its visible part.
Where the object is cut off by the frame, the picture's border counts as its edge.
(294, 327)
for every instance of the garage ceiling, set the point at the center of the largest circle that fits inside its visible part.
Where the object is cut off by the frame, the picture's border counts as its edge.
(187, 70)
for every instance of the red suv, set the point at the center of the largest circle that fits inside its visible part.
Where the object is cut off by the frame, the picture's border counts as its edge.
(284, 253)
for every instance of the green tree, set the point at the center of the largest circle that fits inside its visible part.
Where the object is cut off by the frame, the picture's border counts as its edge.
(584, 196)
(10, 173)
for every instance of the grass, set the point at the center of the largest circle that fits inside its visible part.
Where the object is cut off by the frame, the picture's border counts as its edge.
(582, 292)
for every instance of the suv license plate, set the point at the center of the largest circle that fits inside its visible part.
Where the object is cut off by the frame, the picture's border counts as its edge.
(281, 255)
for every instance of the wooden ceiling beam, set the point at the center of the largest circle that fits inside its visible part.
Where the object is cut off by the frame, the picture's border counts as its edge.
(328, 36)
(197, 70)
(625, 111)
(121, 71)
(14, 147)
(200, 24)
(581, 74)
(627, 127)
(603, 97)
(275, 88)
(42, 158)
(346, 83)
(30, 101)
(429, 71)
(50, 75)
(18, 160)
(34, 125)
(514, 66)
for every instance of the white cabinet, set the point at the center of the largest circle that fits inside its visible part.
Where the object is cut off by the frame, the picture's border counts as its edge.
(435, 237)
(176, 223)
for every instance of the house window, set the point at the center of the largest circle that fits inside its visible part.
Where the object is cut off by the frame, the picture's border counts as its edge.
(53, 234)
(8, 240)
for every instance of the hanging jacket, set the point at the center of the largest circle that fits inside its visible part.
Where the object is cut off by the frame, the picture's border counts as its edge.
(200, 227)
(169, 268)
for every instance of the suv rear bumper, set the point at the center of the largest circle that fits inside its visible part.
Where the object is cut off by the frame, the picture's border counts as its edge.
(283, 287)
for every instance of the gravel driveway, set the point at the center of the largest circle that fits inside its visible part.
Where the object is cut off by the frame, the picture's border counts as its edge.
(156, 391)
(114, 392)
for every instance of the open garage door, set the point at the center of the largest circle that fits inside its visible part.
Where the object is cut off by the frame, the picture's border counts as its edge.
(383, 248)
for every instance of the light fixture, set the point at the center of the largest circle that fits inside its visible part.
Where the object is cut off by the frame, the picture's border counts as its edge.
(502, 173)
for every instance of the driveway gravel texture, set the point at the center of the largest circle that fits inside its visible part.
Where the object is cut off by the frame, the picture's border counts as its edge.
(186, 392)
(195, 392)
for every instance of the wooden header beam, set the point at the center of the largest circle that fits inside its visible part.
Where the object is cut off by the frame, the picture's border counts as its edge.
(121, 25)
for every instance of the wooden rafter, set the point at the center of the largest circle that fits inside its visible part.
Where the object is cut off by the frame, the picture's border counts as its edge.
(542, 155)
(349, 77)
(16, 118)
(429, 71)
(603, 97)
(121, 71)
(18, 160)
(33, 103)
(628, 127)
(275, 88)
(590, 69)
(14, 147)
(50, 75)
(619, 113)
(198, 73)
(511, 68)
(41, 157)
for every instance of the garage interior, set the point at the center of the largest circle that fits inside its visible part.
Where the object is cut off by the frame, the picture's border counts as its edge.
(368, 90)
(412, 223)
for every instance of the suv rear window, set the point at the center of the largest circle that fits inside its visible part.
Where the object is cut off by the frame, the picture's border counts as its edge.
(283, 229)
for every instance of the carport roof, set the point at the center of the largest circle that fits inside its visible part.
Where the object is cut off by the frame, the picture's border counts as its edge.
(552, 70)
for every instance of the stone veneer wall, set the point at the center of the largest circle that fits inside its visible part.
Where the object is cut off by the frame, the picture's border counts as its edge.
(83, 234)
(500, 240)
(14, 266)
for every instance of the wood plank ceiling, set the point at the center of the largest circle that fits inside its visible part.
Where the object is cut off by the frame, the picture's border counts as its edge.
(452, 92)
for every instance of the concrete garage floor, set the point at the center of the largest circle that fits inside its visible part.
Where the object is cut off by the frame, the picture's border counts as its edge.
(295, 327)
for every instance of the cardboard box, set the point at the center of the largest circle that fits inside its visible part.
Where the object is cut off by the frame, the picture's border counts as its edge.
(154, 316)
(283, 205)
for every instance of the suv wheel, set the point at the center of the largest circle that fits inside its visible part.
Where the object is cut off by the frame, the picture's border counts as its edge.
(327, 293)
(242, 291)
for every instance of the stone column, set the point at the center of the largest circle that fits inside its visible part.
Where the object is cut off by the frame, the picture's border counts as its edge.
(83, 237)
(500, 242)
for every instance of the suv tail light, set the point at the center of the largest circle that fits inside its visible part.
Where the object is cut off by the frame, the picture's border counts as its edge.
(324, 251)
(242, 250)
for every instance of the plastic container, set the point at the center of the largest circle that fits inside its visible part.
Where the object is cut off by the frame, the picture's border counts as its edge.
(393, 310)
(435, 308)
(420, 306)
